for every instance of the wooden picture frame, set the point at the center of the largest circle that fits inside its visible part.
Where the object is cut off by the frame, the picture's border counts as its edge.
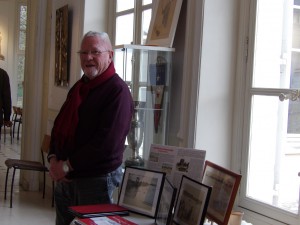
(166, 204)
(163, 22)
(2, 57)
(140, 190)
(225, 184)
(192, 202)
(61, 47)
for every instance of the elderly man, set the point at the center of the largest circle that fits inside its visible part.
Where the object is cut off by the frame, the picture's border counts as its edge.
(89, 133)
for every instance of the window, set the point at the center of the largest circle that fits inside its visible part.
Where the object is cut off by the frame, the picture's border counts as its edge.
(132, 20)
(20, 49)
(271, 144)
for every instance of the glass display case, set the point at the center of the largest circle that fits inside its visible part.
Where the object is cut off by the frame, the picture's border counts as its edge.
(147, 71)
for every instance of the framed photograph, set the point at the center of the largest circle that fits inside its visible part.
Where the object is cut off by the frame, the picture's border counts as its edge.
(192, 202)
(163, 22)
(61, 47)
(224, 185)
(140, 190)
(166, 204)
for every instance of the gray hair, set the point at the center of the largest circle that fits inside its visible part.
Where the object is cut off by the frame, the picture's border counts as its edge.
(102, 35)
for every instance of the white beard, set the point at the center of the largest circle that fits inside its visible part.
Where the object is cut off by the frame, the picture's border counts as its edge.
(91, 73)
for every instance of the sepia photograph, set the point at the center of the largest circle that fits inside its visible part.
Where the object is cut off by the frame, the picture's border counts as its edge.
(166, 204)
(225, 184)
(164, 22)
(192, 202)
(140, 190)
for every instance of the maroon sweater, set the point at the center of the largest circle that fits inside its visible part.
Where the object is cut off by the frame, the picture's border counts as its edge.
(104, 122)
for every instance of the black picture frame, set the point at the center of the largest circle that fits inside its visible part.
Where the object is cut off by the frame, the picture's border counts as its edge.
(166, 204)
(141, 190)
(192, 202)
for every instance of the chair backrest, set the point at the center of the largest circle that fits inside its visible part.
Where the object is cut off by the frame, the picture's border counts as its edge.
(17, 114)
(19, 111)
(45, 146)
(15, 109)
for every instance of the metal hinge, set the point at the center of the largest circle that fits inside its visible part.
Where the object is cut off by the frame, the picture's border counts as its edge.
(246, 49)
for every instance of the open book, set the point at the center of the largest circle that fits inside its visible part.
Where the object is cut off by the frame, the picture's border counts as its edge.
(109, 220)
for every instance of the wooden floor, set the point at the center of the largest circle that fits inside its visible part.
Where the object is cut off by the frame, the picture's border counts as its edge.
(29, 208)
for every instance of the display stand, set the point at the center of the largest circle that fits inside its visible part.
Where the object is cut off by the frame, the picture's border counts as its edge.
(147, 71)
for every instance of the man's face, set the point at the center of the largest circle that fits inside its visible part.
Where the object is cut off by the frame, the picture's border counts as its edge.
(95, 56)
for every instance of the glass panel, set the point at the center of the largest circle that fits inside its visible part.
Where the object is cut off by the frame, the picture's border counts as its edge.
(146, 2)
(124, 29)
(22, 40)
(124, 5)
(146, 18)
(22, 27)
(23, 17)
(20, 79)
(277, 37)
(147, 73)
(124, 70)
(274, 153)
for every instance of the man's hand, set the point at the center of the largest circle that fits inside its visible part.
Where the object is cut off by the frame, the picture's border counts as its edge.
(56, 170)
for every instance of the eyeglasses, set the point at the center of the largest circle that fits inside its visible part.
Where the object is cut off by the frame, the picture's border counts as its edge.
(93, 53)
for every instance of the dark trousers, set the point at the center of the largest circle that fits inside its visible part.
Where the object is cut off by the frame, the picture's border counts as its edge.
(84, 191)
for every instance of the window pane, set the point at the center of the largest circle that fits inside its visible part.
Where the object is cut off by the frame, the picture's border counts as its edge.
(20, 79)
(124, 5)
(146, 17)
(22, 40)
(23, 17)
(124, 29)
(274, 153)
(277, 38)
(146, 2)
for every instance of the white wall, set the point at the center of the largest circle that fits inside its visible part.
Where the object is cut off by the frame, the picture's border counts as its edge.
(217, 80)
(96, 15)
(83, 16)
(57, 94)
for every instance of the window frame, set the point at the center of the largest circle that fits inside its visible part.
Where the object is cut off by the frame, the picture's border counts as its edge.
(138, 10)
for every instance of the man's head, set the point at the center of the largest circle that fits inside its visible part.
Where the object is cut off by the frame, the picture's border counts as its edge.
(95, 53)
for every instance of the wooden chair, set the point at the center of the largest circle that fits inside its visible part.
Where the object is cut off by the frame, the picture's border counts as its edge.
(29, 165)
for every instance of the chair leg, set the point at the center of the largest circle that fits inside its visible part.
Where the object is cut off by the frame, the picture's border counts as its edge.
(52, 193)
(11, 137)
(13, 132)
(12, 187)
(44, 184)
(5, 191)
(4, 133)
(18, 130)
